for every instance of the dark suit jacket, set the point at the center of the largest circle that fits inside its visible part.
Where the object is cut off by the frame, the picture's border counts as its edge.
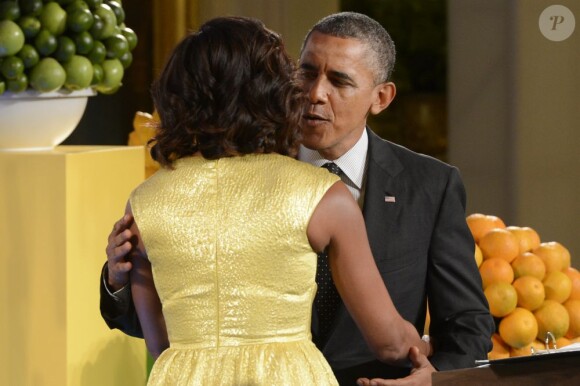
(119, 312)
(423, 248)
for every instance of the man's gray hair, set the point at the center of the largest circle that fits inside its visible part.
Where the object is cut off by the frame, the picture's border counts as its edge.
(367, 30)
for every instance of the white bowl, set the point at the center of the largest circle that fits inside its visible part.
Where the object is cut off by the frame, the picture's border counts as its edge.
(39, 121)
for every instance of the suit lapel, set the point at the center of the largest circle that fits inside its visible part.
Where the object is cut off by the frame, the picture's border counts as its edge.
(379, 211)
(383, 195)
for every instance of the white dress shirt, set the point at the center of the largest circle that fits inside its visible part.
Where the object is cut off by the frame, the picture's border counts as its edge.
(353, 164)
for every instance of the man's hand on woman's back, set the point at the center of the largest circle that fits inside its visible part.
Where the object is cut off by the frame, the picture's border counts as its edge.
(118, 247)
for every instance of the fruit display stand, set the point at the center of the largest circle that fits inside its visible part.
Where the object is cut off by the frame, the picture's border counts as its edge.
(56, 210)
(532, 289)
(549, 369)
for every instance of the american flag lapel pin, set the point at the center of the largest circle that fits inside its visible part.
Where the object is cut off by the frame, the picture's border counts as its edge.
(389, 198)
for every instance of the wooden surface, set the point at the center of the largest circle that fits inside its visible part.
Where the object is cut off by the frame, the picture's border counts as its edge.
(549, 370)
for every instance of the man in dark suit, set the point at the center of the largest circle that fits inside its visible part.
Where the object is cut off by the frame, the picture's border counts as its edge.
(414, 209)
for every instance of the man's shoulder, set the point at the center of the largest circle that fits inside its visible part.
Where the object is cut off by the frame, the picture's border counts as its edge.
(409, 159)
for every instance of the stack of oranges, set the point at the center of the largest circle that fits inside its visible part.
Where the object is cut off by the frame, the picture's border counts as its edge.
(530, 285)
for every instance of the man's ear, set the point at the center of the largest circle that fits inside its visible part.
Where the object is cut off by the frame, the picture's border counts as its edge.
(384, 95)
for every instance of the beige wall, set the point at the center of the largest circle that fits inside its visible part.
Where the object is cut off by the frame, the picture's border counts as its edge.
(292, 19)
(514, 115)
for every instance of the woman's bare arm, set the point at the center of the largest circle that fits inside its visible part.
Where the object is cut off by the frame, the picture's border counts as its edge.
(337, 222)
(145, 297)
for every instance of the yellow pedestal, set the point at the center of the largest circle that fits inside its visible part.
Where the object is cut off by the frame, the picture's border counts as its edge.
(56, 210)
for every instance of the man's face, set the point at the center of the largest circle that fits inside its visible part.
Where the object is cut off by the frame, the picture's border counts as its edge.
(339, 81)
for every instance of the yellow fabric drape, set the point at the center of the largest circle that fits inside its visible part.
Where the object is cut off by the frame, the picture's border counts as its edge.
(171, 22)
(144, 125)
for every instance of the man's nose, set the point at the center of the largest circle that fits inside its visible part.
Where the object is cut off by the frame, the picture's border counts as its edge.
(318, 91)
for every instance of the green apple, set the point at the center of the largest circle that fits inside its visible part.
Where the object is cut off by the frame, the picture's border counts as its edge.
(79, 73)
(29, 56)
(48, 75)
(11, 38)
(53, 18)
(106, 14)
(112, 76)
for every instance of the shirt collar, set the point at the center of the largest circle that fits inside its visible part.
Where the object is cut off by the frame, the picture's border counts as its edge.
(352, 163)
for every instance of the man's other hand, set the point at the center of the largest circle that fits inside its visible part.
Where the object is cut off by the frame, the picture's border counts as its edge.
(118, 247)
(420, 374)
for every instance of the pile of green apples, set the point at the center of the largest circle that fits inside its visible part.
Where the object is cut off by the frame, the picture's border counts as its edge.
(64, 44)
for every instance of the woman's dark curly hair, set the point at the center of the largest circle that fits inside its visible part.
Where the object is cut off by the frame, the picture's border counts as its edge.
(228, 89)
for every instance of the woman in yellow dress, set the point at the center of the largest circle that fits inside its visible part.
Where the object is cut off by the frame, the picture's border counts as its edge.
(228, 230)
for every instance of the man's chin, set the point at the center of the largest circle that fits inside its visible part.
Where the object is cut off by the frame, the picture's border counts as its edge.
(311, 139)
(315, 136)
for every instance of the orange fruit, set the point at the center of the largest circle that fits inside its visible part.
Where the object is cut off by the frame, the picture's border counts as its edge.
(530, 292)
(427, 322)
(492, 270)
(552, 317)
(575, 340)
(558, 286)
(574, 276)
(478, 255)
(528, 238)
(479, 224)
(500, 348)
(528, 264)
(556, 257)
(573, 308)
(527, 349)
(499, 243)
(562, 342)
(502, 298)
(519, 328)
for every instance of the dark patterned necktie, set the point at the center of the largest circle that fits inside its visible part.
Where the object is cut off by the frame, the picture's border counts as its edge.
(327, 298)
(333, 168)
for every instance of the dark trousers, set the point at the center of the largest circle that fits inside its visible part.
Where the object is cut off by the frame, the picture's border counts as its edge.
(375, 369)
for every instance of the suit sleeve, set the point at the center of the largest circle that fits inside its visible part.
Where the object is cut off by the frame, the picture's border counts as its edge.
(461, 325)
(118, 310)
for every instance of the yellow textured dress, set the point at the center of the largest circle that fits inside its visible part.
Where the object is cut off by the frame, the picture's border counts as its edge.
(234, 269)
